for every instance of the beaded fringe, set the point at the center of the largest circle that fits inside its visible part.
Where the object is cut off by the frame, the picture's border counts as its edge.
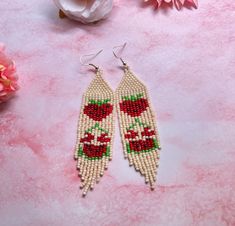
(137, 125)
(95, 132)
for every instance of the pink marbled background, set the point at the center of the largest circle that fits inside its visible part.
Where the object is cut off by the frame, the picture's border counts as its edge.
(187, 60)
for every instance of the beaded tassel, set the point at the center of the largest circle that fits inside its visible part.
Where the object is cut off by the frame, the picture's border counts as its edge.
(95, 132)
(137, 125)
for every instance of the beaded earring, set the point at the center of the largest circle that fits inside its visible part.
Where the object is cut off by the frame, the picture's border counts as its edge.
(95, 131)
(137, 125)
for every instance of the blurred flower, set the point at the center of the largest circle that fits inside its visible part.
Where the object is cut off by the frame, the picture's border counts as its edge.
(8, 77)
(177, 3)
(85, 11)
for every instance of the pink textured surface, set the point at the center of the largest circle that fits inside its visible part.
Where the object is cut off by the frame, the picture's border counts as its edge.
(187, 60)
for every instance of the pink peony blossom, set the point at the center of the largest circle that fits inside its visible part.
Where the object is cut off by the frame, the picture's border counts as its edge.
(177, 3)
(8, 77)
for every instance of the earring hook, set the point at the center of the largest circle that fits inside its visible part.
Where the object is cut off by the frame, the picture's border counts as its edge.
(115, 54)
(94, 55)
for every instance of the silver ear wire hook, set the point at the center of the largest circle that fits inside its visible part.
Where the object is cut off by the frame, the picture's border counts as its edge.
(94, 55)
(115, 54)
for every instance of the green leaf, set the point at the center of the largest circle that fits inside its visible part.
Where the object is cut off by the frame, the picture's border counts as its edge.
(133, 97)
(106, 101)
(128, 147)
(80, 152)
(92, 101)
(156, 145)
(139, 95)
(99, 102)
(107, 153)
(125, 98)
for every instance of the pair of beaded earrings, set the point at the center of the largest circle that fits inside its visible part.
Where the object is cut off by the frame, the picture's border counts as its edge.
(96, 128)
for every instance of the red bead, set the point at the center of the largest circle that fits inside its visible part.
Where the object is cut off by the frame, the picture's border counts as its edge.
(98, 112)
(134, 107)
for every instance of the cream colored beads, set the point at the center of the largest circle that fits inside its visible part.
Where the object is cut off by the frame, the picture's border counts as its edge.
(96, 128)
(137, 124)
(95, 133)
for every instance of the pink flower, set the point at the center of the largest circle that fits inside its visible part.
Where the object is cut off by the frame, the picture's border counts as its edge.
(177, 3)
(8, 77)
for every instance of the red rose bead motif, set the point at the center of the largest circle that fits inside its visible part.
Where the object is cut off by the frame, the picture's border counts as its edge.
(147, 132)
(88, 138)
(103, 138)
(93, 151)
(98, 110)
(142, 145)
(134, 106)
(131, 134)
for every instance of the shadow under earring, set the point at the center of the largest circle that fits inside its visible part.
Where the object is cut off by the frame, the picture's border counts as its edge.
(137, 126)
(95, 132)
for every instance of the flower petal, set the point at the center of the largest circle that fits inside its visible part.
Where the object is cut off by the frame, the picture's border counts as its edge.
(1, 87)
(71, 5)
(85, 11)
